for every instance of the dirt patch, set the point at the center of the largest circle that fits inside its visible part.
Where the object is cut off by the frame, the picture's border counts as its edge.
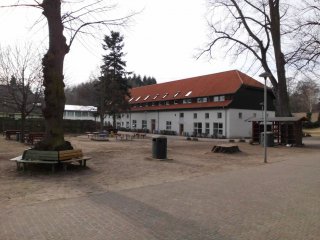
(117, 165)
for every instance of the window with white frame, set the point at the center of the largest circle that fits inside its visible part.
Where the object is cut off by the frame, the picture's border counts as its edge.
(168, 125)
(134, 123)
(219, 114)
(202, 100)
(195, 115)
(216, 98)
(181, 115)
(221, 98)
(218, 129)
(144, 124)
(127, 124)
(240, 115)
(188, 100)
(197, 127)
(207, 130)
(206, 115)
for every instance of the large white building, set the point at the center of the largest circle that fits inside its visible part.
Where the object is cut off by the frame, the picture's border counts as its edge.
(216, 105)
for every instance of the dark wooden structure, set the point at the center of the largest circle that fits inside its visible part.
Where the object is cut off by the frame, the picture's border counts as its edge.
(286, 130)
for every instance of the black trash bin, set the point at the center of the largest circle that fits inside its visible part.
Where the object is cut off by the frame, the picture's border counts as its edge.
(159, 147)
(269, 141)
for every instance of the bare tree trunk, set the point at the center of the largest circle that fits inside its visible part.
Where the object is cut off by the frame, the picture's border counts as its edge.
(281, 93)
(53, 79)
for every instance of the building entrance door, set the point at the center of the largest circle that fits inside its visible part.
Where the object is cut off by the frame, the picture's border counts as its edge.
(153, 125)
(181, 129)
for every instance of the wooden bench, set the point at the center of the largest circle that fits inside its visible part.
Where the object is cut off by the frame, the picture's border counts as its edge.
(54, 158)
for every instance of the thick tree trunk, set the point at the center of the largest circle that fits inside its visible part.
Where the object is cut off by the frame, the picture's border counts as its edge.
(53, 79)
(281, 93)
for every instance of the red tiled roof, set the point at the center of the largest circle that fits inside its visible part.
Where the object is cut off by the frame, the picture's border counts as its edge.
(182, 106)
(209, 85)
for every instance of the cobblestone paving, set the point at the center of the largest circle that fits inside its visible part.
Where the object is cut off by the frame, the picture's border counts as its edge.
(273, 201)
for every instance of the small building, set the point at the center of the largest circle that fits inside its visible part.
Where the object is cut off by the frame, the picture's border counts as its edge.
(77, 112)
(215, 105)
(286, 130)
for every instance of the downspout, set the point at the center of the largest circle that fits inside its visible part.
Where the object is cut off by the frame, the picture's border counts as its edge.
(158, 123)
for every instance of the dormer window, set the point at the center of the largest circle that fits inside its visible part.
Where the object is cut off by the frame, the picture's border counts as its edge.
(156, 96)
(188, 94)
(138, 98)
(166, 94)
(146, 97)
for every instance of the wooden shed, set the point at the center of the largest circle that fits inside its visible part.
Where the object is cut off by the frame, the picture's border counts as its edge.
(286, 130)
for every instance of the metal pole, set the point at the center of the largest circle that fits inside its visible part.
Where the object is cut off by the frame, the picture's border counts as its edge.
(265, 120)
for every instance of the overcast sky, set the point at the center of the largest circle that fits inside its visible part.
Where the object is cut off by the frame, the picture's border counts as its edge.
(162, 41)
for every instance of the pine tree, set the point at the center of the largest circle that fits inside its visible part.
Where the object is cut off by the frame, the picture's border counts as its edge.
(113, 86)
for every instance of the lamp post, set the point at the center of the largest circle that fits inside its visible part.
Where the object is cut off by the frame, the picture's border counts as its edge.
(265, 75)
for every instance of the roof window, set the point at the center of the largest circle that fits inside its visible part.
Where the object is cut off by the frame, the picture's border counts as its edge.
(138, 98)
(166, 94)
(188, 94)
(176, 94)
(131, 99)
(156, 96)
(146, 97)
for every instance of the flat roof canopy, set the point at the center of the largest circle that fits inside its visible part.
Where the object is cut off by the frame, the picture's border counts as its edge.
(278, 119)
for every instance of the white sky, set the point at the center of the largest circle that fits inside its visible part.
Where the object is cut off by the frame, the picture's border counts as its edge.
(161, 42)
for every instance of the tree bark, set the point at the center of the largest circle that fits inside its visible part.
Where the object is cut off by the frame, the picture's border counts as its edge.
(280, 89)
(53, 79)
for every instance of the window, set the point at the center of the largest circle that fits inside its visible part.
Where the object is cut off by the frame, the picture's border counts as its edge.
(78, 114)
(181, 115)
(207, 130)
(221, 98)
(240, 115)
(144, 124)
(85, 114)
(176, 94)
(118, 124)
(254, 115)
(219, 115)
(206, 115)
(216, 98)
(131, 99)
(122, 124)
(195, 116)
(166, 94)
(138, 98)
(127, 124)
(197, 127)
(127, 115)
(188, 100)
(156, 96)
(167, 103)
(188, 94)
(201, 100)
(146, 97)
(168, 125)
(134, 123)
(218, 129)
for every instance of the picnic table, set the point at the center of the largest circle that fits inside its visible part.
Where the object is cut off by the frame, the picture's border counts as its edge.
(31, 137)
(9, 133)
(124, 136)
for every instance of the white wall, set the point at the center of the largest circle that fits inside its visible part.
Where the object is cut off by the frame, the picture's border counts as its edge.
(233, 126)
(239, 127)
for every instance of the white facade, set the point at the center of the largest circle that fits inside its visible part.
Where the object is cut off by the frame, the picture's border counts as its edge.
(229, 123)
(76, 112)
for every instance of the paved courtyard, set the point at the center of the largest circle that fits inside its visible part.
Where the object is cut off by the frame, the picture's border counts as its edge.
(279, 200)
